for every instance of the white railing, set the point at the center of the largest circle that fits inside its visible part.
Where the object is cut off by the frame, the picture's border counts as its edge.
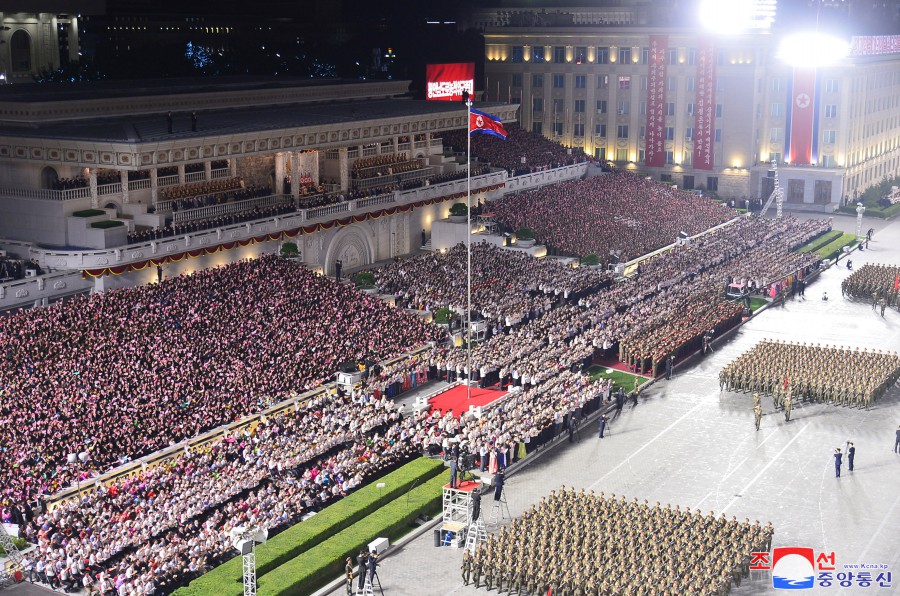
(352, 153)
(139, 184)
(325, 211)
(167, 180)
(403, 147)
(437, 142)
(220, 173)
(224, 208)
(109, 189)
(369, 151)
(46, 193)
(421, 144)
(377, 200)
(195, 176)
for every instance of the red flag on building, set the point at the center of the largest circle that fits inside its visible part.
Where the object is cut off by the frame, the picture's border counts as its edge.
(481, 122)
(897, 282)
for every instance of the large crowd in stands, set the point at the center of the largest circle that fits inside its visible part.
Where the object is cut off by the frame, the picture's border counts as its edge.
(199, 189)
(540, 153)
(125, 373)
(507, 285)
(241, 193)
(618, 211)
(284, 207)
(119, 375)
(103, 177)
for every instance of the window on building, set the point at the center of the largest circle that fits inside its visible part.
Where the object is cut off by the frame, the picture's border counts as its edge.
(580, 81)
(673, 55)
(623, 107)
(718, 110)
(558, 105)
(578, 129)
(718, 135)
(690, 84)
(666, 177)
(712, 183)
(642, 155)
(687, 160)
(579, 106)
(687, 182)
(537, 128)
(692, 56)
(624, 56)
(515, 99)
(557, 129)
(831, 86)
(829, 136)
(602, 55)
(826, 161)
(580, 55)
(689, 133)
(720, 56)
(518, 54)
(670, 133)
(670, 108)
(796, 190)
(622, 131)
(537, 81)
(671, 84)
(537, 54)
(774, 135)
(822, 191)
(517, 79)
(559, 54)
(621, 154)
(777, 85)
(601, 106)
(690, 109)
(624, 82)
(537, 104)
(642, 132)
(777, 110)
(600, 130)
(559, 81)
(831, 111)
(600, 153)
(720, 84)
(644, 82)
(645, 55)
(602, 81)
(643, 108)
(777, 158)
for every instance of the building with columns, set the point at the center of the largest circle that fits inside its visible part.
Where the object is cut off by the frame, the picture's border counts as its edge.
(701, 111)
(100, 183)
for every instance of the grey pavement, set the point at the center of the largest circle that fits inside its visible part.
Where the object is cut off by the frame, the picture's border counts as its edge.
(687, 443)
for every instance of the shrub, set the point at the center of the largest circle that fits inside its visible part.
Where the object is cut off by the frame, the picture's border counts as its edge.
(443, 316)
(109, 223)
(524, 234)
(88, 213)
(820, 241)
(590, 260)
(459, 209)
(225, 579)
(834, 248)
(364, 280)
(20, 543)
(289, 249)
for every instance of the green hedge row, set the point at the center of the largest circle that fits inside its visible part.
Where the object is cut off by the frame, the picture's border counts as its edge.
(315, 568)
(110, 223)
(819, 242)
(88, 213)
(834, 248)
(874, 211)
(225, 579)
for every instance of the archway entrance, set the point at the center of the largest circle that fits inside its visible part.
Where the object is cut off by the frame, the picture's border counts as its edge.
(20, 51)
(48, 177)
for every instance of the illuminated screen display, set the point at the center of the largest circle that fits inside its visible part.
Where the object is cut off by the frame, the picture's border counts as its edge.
(446, 82)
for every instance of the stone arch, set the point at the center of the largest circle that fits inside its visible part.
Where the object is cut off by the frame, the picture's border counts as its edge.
(49, 176)
(353, 245)
(20, 51)
(112, 205)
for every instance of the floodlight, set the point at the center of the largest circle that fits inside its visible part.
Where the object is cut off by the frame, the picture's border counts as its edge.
(726, 16)
(812, 49)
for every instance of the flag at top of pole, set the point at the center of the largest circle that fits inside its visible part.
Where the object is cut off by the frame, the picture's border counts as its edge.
(481, 122)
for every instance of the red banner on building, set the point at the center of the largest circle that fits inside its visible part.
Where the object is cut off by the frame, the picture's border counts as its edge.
(654, 154)
(802, 111)
(705, 106)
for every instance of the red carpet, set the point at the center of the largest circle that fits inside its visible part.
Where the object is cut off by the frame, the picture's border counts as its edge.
(616, 365)
(455, 399)
(466, 487)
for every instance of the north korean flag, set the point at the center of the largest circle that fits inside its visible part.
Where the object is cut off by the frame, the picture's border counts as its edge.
(481, 122)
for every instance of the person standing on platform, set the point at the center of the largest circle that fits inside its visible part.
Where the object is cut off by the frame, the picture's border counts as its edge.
(897, 441)
(159, 274)
(670, 364)
(373, 563)
(498, 485)
(363, 561)
(476, 504)
(634, 394)
(602, 425)
(837, 462)
(620, 401)
(851, 453)
(454, 467)
(571, 426)
(348, 574)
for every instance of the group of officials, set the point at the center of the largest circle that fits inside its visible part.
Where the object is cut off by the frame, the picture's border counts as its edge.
(582, 544)
(826, 374)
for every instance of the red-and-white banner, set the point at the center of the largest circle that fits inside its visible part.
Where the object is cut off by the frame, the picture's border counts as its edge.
(654, 152)
(802, 114)
(705, 106)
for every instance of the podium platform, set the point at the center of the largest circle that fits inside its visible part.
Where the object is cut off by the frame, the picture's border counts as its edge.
(457, 513)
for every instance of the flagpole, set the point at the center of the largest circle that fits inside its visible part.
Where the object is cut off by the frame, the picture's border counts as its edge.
(469, 251)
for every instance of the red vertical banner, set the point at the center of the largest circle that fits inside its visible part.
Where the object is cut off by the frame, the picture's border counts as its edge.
(705, 106)
(802, 115)
(654, 153)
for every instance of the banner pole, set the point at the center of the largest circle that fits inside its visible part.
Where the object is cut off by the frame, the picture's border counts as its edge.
(469, 252)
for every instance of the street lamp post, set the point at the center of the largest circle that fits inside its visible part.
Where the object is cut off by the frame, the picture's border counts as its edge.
(860, 209)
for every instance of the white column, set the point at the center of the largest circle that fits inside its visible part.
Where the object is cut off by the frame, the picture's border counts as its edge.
(314, 167)
(123, 177)
(154, 186)
(207, 169)
(73, 40)
(279, 174)
(181, 173)
(232, 163)
(92, 180)
(343, 168)
(295, 175)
